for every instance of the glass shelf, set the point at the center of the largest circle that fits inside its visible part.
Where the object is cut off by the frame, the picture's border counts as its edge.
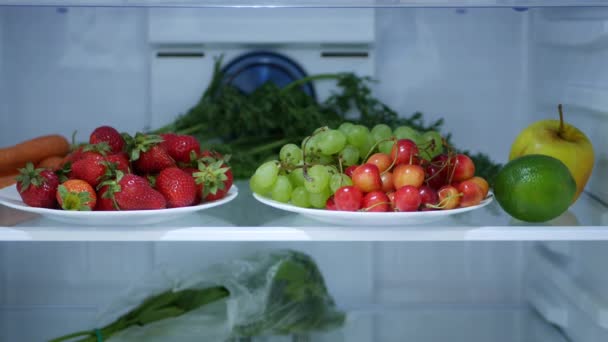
(424, 323)
(308, 3)
(246, 219)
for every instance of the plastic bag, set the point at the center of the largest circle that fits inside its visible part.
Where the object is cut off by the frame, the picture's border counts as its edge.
(270, 293)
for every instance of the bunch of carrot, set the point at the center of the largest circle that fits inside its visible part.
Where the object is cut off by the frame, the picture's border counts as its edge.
(44, 151)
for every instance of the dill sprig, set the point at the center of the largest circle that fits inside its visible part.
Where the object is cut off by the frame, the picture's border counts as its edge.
(253, 127)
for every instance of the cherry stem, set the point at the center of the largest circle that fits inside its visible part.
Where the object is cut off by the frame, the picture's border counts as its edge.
(369, 153)
(560, 132)
(442, 204)
(374, 205)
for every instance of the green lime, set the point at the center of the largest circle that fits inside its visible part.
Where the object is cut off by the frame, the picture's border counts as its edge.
(534, 188)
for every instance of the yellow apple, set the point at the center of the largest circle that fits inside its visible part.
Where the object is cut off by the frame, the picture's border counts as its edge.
(560, 140)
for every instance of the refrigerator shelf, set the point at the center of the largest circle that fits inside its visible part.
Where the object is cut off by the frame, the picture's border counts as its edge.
(245, 219)
(304, 3)
(416, 324)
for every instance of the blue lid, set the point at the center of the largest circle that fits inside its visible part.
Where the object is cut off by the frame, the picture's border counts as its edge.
(250, 70)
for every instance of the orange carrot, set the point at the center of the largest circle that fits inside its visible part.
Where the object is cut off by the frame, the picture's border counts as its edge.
(33, 150)
(6, 181)
(52, 162)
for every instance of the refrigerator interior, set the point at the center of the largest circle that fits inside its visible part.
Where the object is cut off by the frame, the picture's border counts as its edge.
(488, 72)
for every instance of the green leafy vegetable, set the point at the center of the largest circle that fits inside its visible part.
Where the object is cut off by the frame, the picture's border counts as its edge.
(274, 293)
(253, 127)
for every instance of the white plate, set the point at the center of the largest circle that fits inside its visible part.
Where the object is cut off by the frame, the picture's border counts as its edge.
(358, 218)
(10, 198)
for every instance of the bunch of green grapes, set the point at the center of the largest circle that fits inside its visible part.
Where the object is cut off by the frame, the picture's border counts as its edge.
(307, 175)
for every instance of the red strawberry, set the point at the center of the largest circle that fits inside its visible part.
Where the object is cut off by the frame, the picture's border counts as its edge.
(109, 135)
(147, 155)
(221, 191)
(181, 147)
(215, 176)
(133, 192)
(105, 200)
(90, 169)
(199, 186)
(177, 186)
(76, 194)
(121, 160)
(37, 187)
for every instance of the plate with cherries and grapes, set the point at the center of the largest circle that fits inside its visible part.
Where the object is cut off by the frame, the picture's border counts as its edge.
(356, 176)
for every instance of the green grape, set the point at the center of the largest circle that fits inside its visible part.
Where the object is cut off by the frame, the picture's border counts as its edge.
(381, 132)
(339, 180)
(324, 160)
(254, 184)
(266, 174)
(345, 127)
(299, 197)
(386, 147)
(281, 190)
(331, 142)
(364, 151)
(406, 132)
(431, 145)
(296, 177)
(290, 154)
(358, 136)
(309, 144)
(319, 179)
(318, 200)
(349, 155)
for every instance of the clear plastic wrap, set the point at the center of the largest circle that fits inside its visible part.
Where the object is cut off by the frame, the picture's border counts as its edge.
(270, 293)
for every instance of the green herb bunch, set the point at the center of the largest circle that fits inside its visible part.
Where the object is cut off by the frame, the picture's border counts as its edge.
(278, 292)
(253, 127)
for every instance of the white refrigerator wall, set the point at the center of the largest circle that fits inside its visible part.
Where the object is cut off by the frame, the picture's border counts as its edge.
(75, 68)
(568, 54)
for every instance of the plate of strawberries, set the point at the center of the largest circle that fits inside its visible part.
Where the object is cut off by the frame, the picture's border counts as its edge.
(122, 179)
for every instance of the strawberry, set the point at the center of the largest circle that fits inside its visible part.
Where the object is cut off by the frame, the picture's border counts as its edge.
(37, 187)
(177, 186)
(76, 194)
(215, 177)
(199, 186)
(132, 192)
(105, 199)
(90, 169)
(95, 168)
(147, 155)
(121, 160)
(221, 191)
(108, 135)
(181, 147)
(87, 150)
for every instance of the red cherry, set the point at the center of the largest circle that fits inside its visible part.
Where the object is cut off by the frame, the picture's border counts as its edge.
(404, 151)
(472, 194)
(387, 182)
(464, 168)
(348, 198)
(428, 196)
(407, 198)
(382, 160)
(376, 201)
(367, 178)
(449, 197)
(349, 170)
(438, 171)
(408, 174)
(330, 204)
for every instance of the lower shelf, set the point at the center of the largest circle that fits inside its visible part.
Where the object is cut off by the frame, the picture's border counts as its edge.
(411, 324)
